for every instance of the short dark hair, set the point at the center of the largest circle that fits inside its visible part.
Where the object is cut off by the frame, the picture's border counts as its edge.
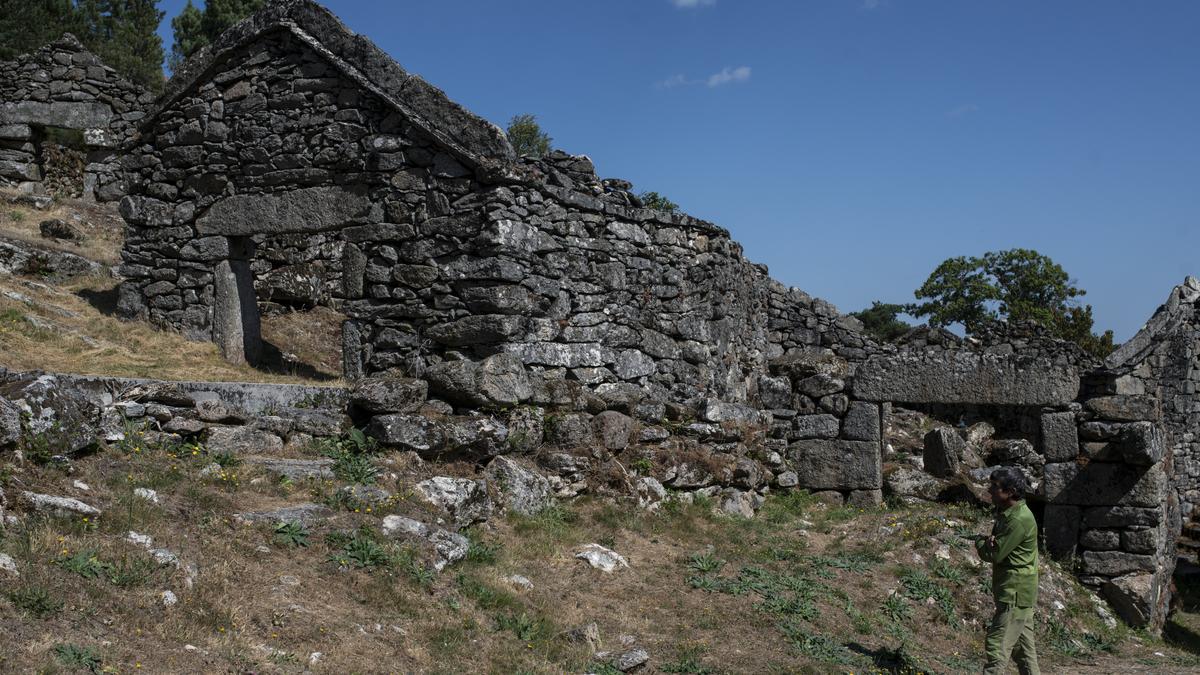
(1011, 480)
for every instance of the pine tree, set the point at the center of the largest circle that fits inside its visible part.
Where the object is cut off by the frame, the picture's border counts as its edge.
(126, 38)
(195, 28)
(26, 25)
(189, 35)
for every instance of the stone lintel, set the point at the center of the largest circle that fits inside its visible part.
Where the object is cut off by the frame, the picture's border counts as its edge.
(967, 378)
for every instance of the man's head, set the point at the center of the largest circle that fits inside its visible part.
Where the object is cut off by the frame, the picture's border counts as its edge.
(1007, 486)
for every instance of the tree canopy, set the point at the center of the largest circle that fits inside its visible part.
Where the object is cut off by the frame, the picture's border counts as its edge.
(121, 32)
(527, 137)
(1017, 284)
(880, 322)
(194, 28)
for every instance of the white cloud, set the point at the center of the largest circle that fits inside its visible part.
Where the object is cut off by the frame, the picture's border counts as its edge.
(872, 4)
(693, 4)
(675, 81)
(964, 109)
(727, 75)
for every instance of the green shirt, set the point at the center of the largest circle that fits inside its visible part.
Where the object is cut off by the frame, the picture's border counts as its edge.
(1014, 558)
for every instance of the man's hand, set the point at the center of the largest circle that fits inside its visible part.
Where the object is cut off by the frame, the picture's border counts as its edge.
(991, 541)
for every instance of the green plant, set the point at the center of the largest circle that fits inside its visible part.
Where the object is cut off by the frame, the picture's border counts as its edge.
(354, 468)
(527, 137)
(85, 563)
(526, 628)
(226, 459)
(642, 466)
(16, 216)
(481, 552)
(131, 571)
(35, 600)
(918, 586)
(358, 549)
(653, 200)
(292, 534)
(944, 570)
(74, 657)
(687, 660)
(704, 563)
(896, 608)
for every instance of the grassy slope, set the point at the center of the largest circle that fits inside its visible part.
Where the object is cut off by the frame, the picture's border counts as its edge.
(802, 588)
(70, 327)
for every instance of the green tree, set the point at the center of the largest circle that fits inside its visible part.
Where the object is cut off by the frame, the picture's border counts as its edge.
(194, 28)
(880, 322)
(1017, 284)
(26, 25)
(527, 137)
(127, 39)
(187, 27)
(653, 200)
(121, 32)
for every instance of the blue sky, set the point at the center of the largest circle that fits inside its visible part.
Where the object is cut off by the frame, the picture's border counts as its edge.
(852, 145)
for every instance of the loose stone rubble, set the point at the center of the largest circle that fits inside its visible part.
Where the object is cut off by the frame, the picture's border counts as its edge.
(530, 320)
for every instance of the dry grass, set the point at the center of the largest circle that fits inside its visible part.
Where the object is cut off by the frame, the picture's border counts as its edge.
(69, 329)
(259, 606)
(101, 225)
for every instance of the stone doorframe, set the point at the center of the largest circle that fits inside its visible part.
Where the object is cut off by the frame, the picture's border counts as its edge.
(237, 329)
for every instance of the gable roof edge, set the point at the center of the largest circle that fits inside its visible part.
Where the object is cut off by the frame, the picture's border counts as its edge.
(470, 138)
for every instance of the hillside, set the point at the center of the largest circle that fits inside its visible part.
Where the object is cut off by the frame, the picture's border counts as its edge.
(294, 558)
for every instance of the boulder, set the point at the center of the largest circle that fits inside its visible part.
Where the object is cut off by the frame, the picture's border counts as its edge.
(497, 381)
(604, 559)
(836, 464)
(60, 506)
(814, 426)
(943, 452)
(650, 492)
(819, 385)
(10, 423)
(613, 429)
(380, 395)
(743, 504)
(408, 432)
(1060, 437)
(57, 228)
(913, 484)
(570, 430)
(861, 422)
(1134, 597)
(242, 441)
(526, 429)
(1014, 451)
(307, 514)
(67, 418)
(444, 547)
(1128, 408)
(465, 500)
(522, 490)
(295, 469)
(474, 438)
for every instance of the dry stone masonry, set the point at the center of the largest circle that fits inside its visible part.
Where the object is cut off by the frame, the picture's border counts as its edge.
(64, 116)
(535, 321)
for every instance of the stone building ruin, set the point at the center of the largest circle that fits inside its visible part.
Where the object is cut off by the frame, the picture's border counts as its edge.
(64, 116)
(294, 162)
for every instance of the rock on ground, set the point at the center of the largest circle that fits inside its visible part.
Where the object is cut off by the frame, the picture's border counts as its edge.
(523, 490)
(604, 559)
(466, 500)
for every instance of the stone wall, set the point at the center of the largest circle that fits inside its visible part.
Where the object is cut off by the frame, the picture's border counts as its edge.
(63, 86)
(423, 229)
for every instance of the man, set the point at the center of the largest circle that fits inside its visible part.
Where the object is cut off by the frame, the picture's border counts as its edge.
(1012, 550)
